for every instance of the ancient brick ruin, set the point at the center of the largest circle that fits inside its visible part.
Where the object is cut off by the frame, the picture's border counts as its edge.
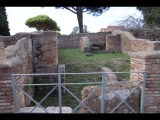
(144, 57)
(148, 61)
(36, 52)
(111, 100)
(45, 57)
(112, 28)
(26, 53)
(151, 34)
(72, 41)
(125, 42)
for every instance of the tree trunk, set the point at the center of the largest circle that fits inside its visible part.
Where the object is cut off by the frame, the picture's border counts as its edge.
(80, 19)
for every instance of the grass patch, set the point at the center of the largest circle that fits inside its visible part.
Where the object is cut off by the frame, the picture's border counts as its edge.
(76, 62)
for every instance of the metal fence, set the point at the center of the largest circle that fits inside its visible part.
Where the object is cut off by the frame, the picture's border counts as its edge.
(60, 85)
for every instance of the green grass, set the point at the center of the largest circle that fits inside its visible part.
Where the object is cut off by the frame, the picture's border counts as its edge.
(76, 62)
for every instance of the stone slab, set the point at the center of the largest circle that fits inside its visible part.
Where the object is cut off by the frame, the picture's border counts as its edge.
(50, 109)
(56, 109)
(111, 99)
(28, 109)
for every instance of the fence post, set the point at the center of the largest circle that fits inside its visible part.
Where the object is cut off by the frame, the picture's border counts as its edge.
(143, 92)
(14, 94)
(103, 94)
(60, 93)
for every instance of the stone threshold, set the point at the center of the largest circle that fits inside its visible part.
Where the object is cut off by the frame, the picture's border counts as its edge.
(50, 109)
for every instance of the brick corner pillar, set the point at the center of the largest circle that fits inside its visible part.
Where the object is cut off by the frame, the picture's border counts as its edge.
(45, 57)
(148, 61)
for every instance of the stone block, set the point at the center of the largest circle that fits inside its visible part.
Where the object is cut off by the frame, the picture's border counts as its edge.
(111, 77)
(50, 109)
(111, 100)
(88, 54)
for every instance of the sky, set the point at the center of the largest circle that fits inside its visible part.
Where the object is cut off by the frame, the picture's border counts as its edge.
(67, 20)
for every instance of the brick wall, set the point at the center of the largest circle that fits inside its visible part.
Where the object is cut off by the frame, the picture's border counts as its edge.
(45, 57)
(18, 59)
(26, 49)
(113, 43)
(151, 34)
(118, 41)
(112, 28)
(148, 61)
(131, 44)
(12, 40)
(72, 41)
(8, 67)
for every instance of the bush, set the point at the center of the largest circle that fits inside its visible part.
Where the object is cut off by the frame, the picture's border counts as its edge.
(42, 22)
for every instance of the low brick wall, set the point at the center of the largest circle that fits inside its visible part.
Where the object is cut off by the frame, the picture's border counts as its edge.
(118, 41)
(151, 34)
(149, 62)
(12, 40)
(72, 41)
(130, 44)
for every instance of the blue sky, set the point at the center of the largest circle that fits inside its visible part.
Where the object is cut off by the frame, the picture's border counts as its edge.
(65, 19)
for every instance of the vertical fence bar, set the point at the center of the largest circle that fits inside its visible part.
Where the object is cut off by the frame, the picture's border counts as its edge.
(143, 93)
(103, 94)
(14, 94)
(60, 93)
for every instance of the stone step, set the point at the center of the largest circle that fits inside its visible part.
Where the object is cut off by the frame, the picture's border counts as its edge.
(95, 48)
(50, 109)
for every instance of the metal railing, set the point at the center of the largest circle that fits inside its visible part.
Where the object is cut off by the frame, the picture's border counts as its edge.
(60, 85)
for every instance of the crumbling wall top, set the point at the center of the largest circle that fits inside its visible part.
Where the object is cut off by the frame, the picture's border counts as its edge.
(4, 63)
(146, 54)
